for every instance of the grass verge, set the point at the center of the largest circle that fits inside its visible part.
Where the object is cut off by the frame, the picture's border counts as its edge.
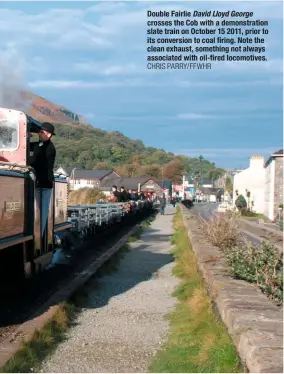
(198, 341)
(256, 217)
(44, 342)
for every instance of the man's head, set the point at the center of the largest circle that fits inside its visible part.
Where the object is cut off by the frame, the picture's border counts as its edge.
(114, 188)
(46, 131)
(121, 188)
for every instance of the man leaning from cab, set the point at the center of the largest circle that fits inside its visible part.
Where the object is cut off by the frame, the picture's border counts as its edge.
(42, 161)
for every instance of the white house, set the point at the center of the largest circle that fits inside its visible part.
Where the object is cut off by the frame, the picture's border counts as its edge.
(187, 181)
(251, 180)
(80, 178)
(273, 188)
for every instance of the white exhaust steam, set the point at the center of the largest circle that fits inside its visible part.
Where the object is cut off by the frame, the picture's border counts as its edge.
(12, 82)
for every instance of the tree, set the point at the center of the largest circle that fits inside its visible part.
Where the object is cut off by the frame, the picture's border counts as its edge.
(241, 203)
(153, 171)
(229, 185)
(174, 171)
(101, 165)
(127, 170)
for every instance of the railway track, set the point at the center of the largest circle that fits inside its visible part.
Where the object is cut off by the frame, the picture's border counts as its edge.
(20, 301)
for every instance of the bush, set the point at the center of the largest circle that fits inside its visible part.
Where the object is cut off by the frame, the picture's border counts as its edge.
(248, 213)
(241, 202)
(85, 196)
(187, 203)
(222, 230)
(262, 265)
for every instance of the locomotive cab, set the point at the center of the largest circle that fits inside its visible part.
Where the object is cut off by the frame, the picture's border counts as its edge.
(24, 237)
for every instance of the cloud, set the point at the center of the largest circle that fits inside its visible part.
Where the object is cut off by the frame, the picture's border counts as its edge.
(193, 116)
(273, 65)
(223, 153)
(54, 28)
(222, 116)
(100, 68)
(228, 84)
(86, 85)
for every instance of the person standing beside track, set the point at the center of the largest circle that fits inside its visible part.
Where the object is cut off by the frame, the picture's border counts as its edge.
(163, 204)
(42, 161)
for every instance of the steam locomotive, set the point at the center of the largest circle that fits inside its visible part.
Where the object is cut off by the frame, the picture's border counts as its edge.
(25, 248)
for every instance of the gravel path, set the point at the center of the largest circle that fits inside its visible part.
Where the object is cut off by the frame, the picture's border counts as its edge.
(122, 324)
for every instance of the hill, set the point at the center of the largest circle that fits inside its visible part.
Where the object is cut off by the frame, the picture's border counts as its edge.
(83, 146)
(46, 111)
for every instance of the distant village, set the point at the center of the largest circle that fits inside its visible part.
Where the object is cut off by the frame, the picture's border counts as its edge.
(261, 184)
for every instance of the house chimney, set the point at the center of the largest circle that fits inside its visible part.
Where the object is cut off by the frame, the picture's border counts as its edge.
(256, 161)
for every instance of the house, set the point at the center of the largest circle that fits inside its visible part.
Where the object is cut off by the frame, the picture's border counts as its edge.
(250, 184)
(207, 191)
(142, 184)
(157, 187)
(187, 181)
(221, 181)
(80, 178)
(206, 183)
(166, 185)
(273, 185)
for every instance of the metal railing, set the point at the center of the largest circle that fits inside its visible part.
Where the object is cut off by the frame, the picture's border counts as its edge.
(86, 217)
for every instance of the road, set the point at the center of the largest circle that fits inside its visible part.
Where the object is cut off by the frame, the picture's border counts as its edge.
(205, 210)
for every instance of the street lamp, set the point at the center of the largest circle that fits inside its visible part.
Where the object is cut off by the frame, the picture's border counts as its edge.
(72, 176)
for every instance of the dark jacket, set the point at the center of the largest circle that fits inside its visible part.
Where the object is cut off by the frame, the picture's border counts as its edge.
(116, 194)
(123, 196)
(163, 202)
(42, 161)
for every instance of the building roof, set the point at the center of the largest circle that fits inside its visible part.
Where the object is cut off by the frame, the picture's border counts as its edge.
(86, 174)
(273, 155)
(213, 191)
(127, 183)
(206, 181)
(164, 184)
(278, 153)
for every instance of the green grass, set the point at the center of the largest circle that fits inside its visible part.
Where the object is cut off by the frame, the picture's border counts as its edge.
(44, 342)
(198, 341)
(149, 220)
(256, 217)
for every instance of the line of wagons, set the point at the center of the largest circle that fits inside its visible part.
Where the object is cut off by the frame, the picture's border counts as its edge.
(24, 250)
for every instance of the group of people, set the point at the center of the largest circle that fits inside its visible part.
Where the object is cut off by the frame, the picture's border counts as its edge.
(121, 195)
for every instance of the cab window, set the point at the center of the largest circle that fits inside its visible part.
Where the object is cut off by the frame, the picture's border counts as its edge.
(9, 135)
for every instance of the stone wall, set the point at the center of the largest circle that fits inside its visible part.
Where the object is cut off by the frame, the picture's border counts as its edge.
(278, 190)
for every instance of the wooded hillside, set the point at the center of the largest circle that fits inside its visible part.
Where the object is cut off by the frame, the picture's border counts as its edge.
(84, 146)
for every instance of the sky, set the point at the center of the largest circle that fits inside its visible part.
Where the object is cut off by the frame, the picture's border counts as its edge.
(91, 58)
